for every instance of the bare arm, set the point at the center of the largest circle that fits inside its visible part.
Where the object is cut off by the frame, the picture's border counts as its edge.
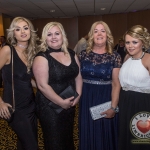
(115, 87)
(41, 73)
(79, 83)
(4, 60)
(115, 93)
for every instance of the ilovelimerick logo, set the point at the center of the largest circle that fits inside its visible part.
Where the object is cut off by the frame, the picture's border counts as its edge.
(140, 128)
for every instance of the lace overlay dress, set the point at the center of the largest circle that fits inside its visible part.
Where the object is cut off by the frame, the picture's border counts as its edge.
(57, 128)
(96, 70)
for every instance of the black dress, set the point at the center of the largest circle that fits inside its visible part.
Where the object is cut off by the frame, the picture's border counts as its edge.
(25, 122)
(57, 128)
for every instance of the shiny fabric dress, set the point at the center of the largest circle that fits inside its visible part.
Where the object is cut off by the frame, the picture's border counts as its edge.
(96, 70)
(57, 128)
(25, 122)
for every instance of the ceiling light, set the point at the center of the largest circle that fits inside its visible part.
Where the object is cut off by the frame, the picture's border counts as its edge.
(103, 8)
(52, 10)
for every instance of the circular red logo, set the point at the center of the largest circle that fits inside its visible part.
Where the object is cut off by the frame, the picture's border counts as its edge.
(140, 125)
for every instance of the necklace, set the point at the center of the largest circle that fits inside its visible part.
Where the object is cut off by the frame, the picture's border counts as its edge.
(54, 50)
(22, 46)
(139, 57)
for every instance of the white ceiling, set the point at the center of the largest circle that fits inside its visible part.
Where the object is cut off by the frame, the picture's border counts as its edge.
(69, 8)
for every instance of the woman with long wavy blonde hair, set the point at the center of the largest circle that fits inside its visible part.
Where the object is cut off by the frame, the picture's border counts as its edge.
(99, 69)
(31, 48)
(109, 42)
(19, 55)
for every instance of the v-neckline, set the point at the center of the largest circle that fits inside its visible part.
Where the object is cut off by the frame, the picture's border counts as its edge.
(20, 58)
(60, 62)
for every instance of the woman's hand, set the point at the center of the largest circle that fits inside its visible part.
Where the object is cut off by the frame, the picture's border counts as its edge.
(67, 103)
(4, 112)
(109, 113)
(75, 101)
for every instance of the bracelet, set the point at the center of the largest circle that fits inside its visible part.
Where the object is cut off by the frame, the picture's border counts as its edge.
(116, 110)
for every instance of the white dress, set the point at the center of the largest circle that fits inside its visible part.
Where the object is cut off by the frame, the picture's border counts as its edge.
(134, 76)
(134, 104)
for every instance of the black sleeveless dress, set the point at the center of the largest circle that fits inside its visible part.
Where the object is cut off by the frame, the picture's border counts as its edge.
(57, 128)
(25, 122)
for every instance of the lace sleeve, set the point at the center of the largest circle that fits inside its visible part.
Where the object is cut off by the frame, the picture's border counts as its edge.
(82, 55)
(117, 63)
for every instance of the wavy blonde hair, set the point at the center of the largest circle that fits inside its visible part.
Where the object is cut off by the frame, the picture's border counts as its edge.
(32, 43)
(141, 33)
(47, 27)
(109, 42)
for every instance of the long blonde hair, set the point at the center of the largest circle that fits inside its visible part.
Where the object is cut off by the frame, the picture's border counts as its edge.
(109, 42)
(32, 43)
(48, 26)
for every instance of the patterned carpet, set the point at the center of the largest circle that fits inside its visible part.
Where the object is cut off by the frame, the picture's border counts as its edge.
(8, 139)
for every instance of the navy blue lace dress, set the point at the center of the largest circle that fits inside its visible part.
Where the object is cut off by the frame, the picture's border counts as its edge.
(96, 70)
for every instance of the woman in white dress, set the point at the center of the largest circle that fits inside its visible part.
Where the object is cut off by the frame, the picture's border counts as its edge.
(134, 103)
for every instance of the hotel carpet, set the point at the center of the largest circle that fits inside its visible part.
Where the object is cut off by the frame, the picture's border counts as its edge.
(8, 139)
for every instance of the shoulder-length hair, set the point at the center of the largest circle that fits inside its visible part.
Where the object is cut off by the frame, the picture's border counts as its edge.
(109, 42)
(47, 27)
(32, 45)
(141, 33)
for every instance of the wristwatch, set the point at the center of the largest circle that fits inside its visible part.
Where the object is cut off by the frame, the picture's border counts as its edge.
(116, 110)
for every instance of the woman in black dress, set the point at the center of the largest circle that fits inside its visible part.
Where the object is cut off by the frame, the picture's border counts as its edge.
(55, 68)
(22, 38)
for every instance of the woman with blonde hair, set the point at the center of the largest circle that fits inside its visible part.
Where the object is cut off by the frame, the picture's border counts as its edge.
(99, 69)
(55, 68)
(134, 103)
(22, 39)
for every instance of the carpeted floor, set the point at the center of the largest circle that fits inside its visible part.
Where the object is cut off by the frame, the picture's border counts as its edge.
(8, 139)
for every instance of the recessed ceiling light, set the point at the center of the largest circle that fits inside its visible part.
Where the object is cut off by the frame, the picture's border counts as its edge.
(52, 10)
(103, 8)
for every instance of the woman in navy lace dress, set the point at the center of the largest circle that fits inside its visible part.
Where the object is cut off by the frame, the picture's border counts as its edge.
(99, 68)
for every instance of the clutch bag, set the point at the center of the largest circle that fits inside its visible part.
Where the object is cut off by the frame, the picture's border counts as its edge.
(98, 109)
(67, 93)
